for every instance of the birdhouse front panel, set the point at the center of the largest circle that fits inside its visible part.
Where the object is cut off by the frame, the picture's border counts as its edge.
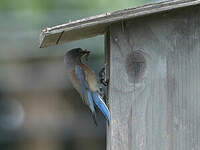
(154, 85)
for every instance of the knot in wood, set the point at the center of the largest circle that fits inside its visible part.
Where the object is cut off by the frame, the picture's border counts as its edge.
(135, 65)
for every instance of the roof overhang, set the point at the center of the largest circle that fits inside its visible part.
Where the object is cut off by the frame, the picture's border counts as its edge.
(96, 25)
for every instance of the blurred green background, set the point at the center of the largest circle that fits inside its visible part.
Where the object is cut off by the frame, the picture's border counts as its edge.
(39, 109)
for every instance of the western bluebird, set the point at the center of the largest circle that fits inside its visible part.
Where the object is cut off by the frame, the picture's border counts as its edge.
(84, 81)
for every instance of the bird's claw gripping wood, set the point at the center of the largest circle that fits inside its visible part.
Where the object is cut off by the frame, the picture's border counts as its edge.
(102, 77)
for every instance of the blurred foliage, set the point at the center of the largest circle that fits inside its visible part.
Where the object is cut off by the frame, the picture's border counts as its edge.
(42, 5)
(33, 83)
(24, 19)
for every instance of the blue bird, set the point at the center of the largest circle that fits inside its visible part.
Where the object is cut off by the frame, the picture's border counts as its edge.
(84, 81)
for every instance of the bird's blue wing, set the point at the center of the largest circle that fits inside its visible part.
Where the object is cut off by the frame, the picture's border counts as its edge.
(90, 100)
(89, 96)
(79, 73)
(86, 93)
(101, 105)
(91, 105)
(81, 76)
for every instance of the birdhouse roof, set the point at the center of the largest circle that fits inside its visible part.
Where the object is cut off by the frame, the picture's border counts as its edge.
(96, 25)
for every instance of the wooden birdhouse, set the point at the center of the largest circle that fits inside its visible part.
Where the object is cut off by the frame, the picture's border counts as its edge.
(153, 71)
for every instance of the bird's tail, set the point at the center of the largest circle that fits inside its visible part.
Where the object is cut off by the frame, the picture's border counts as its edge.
(94, 118)
(91, 106)
(101, 105)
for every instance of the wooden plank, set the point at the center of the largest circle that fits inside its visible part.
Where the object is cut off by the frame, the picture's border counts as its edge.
(155, 103)
(107, 56)
(95, 25)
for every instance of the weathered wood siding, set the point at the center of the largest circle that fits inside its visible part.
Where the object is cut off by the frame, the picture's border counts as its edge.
(155, 102)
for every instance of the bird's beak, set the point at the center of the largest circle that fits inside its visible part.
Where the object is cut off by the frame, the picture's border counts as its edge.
(85, 52)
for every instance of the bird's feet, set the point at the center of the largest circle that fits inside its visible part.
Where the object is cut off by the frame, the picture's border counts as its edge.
(102, 77)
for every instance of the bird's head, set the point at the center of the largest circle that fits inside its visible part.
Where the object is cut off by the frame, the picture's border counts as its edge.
(75, 54)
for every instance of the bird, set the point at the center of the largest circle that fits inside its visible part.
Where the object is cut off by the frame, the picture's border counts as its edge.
(84, 81)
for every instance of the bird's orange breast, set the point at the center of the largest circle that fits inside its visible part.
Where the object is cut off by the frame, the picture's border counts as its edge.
(90, 77)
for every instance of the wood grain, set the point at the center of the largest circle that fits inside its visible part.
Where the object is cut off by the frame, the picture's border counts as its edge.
(160, 109)
(95, 25)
